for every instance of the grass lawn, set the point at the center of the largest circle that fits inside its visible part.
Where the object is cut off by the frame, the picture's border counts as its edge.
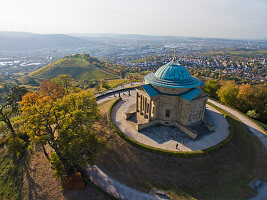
(116, 82)
(139, 75)
(94, 91)
(11, 176)
(224, 174)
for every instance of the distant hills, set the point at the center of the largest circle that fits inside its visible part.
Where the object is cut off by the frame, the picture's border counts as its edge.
(80, 67)
(13, 41)
(102, 45)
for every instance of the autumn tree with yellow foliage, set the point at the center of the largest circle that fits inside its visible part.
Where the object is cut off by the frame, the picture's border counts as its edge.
(228, 93)
(64, 123)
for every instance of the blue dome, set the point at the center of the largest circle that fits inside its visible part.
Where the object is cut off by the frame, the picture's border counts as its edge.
(173, 75)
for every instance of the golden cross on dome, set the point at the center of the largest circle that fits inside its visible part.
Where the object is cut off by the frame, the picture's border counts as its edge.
(174, 56)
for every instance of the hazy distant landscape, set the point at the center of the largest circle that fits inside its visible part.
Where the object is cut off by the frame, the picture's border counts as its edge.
(134, 100)
(23, 52)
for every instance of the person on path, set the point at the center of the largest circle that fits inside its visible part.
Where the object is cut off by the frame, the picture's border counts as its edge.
(177, 146)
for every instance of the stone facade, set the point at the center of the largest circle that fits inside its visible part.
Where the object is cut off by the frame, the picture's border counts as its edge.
(170, 108)
(180, 103)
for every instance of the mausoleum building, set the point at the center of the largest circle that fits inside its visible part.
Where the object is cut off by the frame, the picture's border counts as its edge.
(171, 96)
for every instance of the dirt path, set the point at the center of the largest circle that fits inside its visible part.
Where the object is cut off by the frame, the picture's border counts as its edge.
(39, 182)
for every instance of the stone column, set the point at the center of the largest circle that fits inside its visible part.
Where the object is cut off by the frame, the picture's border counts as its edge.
(149, 111)
(137, 101)
(145, 113)
(141, 105)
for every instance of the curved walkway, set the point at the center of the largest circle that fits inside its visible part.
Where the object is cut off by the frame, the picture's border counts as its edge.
(169, 141)
(121, 191)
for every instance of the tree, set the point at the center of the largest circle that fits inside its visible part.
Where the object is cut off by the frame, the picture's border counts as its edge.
(65, 125)
(51, 89)
(63, 80)
(105, 85)
(228, 94)
(245, 97)
(28, 80)
(16, 95)
(211, 87)
(260, 102)
(98, 89)
(253, 114)
(11, 107)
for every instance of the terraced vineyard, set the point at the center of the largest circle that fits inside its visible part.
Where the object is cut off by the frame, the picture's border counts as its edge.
(80, 67)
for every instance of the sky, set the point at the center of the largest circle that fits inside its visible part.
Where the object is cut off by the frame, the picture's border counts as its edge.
(237, 19)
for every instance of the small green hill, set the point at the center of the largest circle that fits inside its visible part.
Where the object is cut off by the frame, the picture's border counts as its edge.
(80, 67)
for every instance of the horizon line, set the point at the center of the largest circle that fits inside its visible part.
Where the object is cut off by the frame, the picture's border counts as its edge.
(137, 34)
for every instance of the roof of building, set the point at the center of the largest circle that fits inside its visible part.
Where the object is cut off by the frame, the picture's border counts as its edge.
(150, 90)
(191, 94)
(173, 75)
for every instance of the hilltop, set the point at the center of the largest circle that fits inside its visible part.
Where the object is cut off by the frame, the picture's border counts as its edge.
(80, 67)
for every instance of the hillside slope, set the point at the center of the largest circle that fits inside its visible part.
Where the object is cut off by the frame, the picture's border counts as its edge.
(80, 67)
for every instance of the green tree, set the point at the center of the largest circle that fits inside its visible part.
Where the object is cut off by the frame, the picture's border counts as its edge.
(245, 97)
(253, 114)
(11, 107)
(64, 80)
(211, 87)
(228, 94)
(105, 85)
(65, 125)
(260, 102)
(98, 89)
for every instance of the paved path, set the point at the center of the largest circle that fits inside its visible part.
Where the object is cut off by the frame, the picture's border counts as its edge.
(168, 140)
(262, 192)
(121, 191)
(254, 129)
(115, 188)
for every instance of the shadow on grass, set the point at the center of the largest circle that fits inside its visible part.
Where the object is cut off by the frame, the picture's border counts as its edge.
(11, 173)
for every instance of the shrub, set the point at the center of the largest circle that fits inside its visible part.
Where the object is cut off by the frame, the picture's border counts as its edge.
(253, 114)
(74, 182)
(3, 140)
(17, 146)
(57, 166)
